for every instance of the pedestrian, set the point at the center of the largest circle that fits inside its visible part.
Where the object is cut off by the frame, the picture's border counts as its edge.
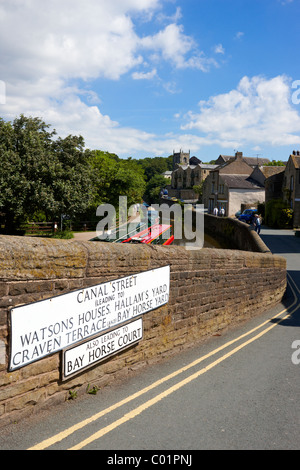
(222, 211)
(216, 211)
(257, 223)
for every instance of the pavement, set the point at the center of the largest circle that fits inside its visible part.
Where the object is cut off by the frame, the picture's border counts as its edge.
(84, 236)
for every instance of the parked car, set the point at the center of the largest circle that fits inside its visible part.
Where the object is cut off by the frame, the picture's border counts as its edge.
(237, 214)
(248, 215)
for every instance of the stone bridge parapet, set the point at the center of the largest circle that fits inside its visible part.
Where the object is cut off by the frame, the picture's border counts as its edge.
(210, 289)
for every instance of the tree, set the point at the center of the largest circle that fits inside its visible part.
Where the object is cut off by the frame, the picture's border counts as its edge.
(155, 166)
(114, 177)
(153, 189)
(278, 214)
(276, 163)
(72, 182)
(198, 189)
(39, 174)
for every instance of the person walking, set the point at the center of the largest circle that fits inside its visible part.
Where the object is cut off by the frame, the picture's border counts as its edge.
(257, 224)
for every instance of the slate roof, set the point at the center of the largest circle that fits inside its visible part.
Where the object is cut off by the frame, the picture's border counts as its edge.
(203, 166)
(296, 161)
(241, 182)
(252, 161)
(271, 170)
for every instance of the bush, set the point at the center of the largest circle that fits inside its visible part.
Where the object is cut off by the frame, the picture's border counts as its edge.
(278, 214)
(63, 234)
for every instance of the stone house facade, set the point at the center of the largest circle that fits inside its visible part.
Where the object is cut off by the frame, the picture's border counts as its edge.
(273, 186)
(187, 172)
(262, 173)
(291, 185)
(185, 177)
(230, 185)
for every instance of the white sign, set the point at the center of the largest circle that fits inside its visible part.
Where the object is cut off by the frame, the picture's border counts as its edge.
(48, 326)
(80, 357)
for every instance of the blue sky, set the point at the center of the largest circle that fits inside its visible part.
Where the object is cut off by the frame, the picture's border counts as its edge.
(146, 77)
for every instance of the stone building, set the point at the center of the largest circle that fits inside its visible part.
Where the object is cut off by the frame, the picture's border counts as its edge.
(273, 186)
(180, 158)
(185, 177)
(230, 185)
(262, 173)
(252, 161)
(291, 185)
(187, 172)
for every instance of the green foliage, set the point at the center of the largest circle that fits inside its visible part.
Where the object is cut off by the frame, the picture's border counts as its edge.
(44, 176)
(113, 177)
(198, 189)
(63, 234)
(92, 390)
(40, 174)
(275, 163)
(155, 166)
(72, 394)
(278, 214)
(153, 188)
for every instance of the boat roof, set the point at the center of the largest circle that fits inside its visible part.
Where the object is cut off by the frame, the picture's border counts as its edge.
(149, 234)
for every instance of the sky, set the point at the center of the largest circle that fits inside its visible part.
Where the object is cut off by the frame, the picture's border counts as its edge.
(145, 78)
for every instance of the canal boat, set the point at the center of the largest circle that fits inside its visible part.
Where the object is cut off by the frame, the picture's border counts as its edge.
(148, 231)
(157, 234)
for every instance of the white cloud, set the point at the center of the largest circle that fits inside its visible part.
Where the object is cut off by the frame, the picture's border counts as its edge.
(174, 46)
(161, 17)
(45, 47)
(258, 112)
(46, 50)
(144, 75)
(66, 39)
(219, 49)
(239, 35)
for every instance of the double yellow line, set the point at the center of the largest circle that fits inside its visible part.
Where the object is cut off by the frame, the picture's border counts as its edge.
(136, 411)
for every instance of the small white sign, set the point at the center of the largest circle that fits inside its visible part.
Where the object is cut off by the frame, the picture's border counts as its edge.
(85, 355)
(48, 326)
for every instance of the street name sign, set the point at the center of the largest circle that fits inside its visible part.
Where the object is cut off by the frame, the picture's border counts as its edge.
(80, 357)
(47, 326)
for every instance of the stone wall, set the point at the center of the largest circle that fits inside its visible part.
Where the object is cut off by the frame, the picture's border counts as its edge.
(234, 233)
(209, 290)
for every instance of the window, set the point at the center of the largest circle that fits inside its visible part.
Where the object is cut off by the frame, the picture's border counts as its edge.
(292, 183)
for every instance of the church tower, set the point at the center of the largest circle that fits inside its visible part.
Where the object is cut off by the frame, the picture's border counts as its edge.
(180, 158)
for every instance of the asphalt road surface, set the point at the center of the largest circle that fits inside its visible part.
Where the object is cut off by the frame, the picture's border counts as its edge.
(236, 391)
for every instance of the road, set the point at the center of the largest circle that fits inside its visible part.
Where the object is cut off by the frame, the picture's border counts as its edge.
(236, 391)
